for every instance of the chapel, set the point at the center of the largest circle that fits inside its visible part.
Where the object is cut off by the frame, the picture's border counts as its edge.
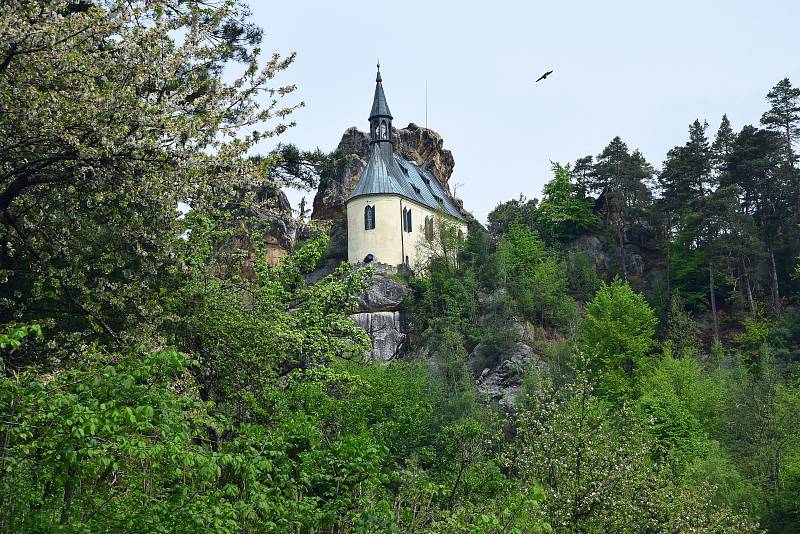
(396, 204)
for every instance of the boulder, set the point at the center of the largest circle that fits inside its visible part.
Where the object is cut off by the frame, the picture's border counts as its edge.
(384, 294)
(381, 316)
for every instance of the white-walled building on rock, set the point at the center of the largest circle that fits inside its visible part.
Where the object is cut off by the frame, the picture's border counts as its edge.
(395, 212)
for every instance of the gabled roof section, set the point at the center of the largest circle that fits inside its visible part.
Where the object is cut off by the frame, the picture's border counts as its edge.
(428, 189)
(404, 178)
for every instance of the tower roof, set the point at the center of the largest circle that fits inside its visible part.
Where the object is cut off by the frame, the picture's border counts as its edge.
(379, 106)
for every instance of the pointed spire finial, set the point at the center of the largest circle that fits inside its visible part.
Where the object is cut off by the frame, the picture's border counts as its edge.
(379, 106)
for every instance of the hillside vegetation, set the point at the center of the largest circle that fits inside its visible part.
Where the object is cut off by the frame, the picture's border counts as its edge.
(162, 373)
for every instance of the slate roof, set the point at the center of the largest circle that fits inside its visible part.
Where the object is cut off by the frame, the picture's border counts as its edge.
(379, 106)
(397, 176)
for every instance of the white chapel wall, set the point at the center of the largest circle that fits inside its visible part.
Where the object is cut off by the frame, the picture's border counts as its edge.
(387, 242)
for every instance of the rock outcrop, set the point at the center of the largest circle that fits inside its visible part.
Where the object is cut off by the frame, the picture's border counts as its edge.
(385, 329)
(414, 143)
(381, 315)
(501, 382)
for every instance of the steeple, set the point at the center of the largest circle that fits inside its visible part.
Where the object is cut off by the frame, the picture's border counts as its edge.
(380, 118)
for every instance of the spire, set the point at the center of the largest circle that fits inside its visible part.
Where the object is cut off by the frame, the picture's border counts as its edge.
(379, 106)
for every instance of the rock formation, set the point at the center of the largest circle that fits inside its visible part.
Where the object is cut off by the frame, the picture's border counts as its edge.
(381, 315)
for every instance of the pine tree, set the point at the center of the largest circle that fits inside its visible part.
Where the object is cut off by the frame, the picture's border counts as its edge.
(687, 171)
(688, 182)
(722, 146)
(581, 175)
(754, 169)
(621, 178)
(783, 117)
(743, 242)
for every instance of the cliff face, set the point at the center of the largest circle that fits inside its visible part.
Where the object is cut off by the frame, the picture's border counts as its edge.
(414, 143)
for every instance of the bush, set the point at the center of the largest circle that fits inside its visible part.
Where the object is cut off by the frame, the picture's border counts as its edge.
(616, 336)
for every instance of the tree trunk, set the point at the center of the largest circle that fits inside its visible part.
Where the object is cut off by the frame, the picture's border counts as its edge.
(622, 252)
(776, 296)
(669, 254)
(67, 496)
(748, 291)
(713, 298)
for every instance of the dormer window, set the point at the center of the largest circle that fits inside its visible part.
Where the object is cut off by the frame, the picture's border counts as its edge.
(416, 189)
(369, 218)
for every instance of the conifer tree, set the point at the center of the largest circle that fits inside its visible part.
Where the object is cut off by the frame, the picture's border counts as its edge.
(783, 117)
(686, 175)
(688, 184)
(581, 175)
(620, 177)
(722, 146)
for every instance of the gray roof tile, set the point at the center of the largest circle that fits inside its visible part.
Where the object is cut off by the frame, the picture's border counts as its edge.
(404, 178)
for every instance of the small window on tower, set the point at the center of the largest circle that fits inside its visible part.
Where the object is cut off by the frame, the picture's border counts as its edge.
(369, 217)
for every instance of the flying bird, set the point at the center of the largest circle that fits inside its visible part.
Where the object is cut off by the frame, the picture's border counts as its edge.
(545, 75)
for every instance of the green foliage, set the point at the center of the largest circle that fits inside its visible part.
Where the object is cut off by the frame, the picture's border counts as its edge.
(160, 375)
(678, 401)
(517, 212)
(598, 474)
(756, 331)
(246, 333)
(120, 431)
(535, 277)
(106, 146)
(681, 331)
(445, 296)
(582, 275)
(13, 335)
(616, 336)
(562, 214)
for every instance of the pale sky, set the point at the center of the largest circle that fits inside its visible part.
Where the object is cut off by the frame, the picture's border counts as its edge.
(638, 69)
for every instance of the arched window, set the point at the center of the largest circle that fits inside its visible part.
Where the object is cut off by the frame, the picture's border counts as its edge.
(429, 228)
(369, 217)
(407, 220)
